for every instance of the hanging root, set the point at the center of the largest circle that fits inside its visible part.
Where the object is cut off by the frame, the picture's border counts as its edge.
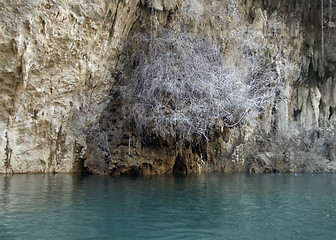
(181, 85)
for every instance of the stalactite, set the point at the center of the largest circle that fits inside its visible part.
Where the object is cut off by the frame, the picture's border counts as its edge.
(330, 10)
(8, 153)
(330, 19)
(322, 33)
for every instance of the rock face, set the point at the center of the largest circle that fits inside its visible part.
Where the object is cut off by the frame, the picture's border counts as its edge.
(57, 69)
(63, 65)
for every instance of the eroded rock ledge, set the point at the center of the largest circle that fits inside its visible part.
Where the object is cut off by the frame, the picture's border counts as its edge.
(62, 65)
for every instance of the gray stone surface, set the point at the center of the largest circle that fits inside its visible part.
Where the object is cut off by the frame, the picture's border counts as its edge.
(61, 63)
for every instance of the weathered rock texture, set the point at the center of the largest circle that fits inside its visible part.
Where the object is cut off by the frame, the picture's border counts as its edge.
(62, 63)
(57, 71)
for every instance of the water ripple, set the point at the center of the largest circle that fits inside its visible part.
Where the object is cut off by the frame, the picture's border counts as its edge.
(233, 206)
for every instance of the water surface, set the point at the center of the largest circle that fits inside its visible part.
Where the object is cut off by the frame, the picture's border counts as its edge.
(233, 206)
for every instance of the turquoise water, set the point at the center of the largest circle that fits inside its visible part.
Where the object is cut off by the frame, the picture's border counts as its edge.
(193, 207)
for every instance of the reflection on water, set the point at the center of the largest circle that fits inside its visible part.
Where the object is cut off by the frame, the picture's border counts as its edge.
(233, 206)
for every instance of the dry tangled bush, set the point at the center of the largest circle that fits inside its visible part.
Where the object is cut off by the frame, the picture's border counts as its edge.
(181, 86)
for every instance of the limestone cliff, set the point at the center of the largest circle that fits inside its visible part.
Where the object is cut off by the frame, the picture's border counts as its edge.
(58, 62)
(63, 64)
